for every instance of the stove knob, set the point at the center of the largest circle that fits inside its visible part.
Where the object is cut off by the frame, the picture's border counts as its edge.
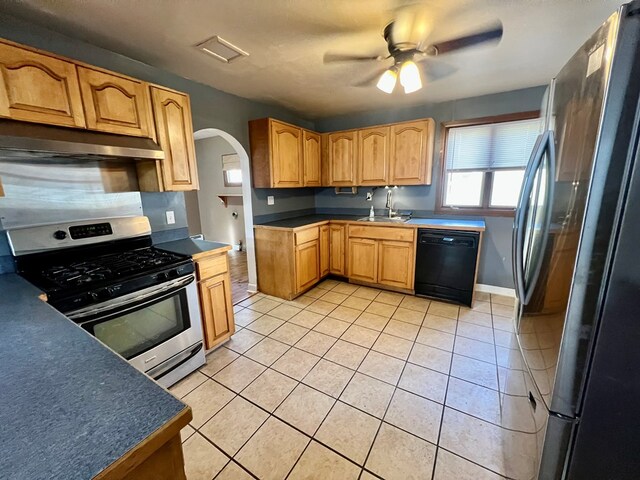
(59, 234)
(162, 276)
(172, 273)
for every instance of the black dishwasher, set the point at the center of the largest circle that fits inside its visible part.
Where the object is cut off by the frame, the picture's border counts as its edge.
(446, 264)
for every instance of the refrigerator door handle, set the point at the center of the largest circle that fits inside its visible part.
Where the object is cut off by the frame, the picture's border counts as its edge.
(548, 205)
(523, 203)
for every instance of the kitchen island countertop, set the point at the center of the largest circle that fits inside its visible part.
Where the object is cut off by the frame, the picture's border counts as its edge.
(69, 406)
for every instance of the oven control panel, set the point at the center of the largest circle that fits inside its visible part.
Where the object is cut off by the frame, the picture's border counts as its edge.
(87, 231)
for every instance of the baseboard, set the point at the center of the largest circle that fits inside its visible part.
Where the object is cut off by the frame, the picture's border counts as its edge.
(252, 287)
(507, 292)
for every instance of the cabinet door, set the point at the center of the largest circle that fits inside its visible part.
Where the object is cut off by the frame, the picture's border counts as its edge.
(115, 104)
(217, 310)
(312, 166)
(172, 113)
(324, 250)
(39, 88)
(337, 247)
(343, 151)
(396, 264)
(307, 265)
(373, 156)
(286, 155)
(363, 259)
(411, 153)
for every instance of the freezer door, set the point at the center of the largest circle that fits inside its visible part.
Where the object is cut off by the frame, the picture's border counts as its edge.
(576, 115)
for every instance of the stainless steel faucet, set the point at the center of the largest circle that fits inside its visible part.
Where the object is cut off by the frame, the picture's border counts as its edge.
(392, 212)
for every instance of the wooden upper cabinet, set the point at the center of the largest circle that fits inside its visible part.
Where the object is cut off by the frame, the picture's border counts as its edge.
(172, 113)
(286, 155)
(411, 153)
(373, 156)
(35, 87)
(342, 150)
(277, 154)
(116, 104)
(312, 159)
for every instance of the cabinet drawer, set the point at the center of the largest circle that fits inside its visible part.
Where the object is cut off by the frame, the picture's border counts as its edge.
(304, 236)
(399, 234)
(208, 267)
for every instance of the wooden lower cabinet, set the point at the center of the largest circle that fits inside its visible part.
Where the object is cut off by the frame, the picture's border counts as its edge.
(363, 259)
(307, 265)
(396, 264)
(337, 250)
(216, 305)
(325, 251)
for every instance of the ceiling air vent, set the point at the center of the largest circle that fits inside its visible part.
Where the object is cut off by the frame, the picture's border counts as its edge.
(222, 50)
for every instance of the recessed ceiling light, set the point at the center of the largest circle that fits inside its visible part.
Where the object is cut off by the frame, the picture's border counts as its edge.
(221, 49)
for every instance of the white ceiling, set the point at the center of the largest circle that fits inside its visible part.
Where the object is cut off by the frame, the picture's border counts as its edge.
(287, 39)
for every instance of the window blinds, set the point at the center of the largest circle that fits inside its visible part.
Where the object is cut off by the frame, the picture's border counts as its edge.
(230, 162)
(491, 146)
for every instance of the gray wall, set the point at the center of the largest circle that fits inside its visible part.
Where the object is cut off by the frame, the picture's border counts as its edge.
(495, 260)
(216, 221)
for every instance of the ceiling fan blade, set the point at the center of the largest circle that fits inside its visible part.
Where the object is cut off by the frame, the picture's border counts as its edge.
(494, 34)
(371, 79)
(433, 70)
(345, 57)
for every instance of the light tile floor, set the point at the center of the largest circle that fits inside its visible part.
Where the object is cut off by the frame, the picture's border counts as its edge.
(351, 382)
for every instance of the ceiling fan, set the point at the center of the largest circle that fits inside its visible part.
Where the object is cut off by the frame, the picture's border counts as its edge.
(407, 46)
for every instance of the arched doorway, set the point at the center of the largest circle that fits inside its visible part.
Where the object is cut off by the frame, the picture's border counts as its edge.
(205, 189)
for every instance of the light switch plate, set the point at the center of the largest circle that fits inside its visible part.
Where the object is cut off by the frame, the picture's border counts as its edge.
(270, 200)
(171, 217)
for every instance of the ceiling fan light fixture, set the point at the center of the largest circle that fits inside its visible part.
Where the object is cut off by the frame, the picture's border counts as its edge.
(410, 77)
(387, 81)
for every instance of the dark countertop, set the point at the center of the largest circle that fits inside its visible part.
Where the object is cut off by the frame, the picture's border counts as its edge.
(296, 222)
(193, 248)
(69, 406)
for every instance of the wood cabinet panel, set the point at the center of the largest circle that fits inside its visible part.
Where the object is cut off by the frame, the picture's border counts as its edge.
(343, 151)
(325, 251)
(363, 259)
(312, 159)
(210, 266)
(306, 235)
(35, 87)
(337, 239)
(116, 104)
(373, 156)
(217, 309)
(286, 155)
(403, 234)
(307, 265)
(396, 264)
(411, 153)
(172, 113)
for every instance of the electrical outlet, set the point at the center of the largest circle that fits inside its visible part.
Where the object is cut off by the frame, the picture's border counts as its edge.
(369, 196)
(171, 217)
(270, 200)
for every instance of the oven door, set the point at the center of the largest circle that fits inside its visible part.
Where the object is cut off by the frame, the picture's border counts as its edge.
(149, 327)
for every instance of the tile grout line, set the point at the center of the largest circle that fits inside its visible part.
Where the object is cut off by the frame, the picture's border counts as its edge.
(444, 405)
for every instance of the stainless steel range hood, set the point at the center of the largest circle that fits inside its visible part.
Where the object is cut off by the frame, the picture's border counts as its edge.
(32, 141)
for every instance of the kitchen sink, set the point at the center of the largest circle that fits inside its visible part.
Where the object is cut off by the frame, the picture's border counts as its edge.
(380, 219)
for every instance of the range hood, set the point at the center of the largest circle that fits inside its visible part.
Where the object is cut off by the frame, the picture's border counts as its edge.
(32, 141)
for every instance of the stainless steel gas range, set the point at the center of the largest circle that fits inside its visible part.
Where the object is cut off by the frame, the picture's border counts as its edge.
(106, 276)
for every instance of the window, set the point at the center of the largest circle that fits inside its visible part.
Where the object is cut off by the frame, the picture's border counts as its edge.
(484, 162)
(231, 170)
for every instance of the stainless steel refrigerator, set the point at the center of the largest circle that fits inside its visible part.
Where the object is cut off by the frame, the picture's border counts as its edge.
(576, 257)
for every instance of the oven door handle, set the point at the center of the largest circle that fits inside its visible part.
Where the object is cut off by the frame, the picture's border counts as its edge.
(170, 365)
(152, 295)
